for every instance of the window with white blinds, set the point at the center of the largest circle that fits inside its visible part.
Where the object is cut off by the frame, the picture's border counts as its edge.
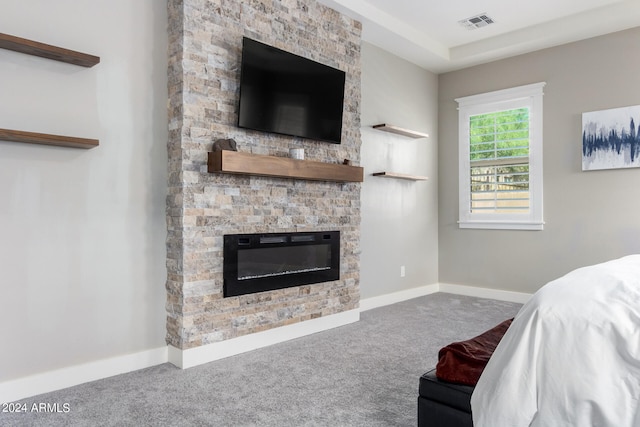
(499, 156)
(501, 159)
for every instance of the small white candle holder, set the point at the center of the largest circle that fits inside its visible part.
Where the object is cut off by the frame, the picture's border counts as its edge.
(296, 153)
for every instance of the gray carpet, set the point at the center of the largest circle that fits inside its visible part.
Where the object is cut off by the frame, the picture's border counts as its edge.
(363, 374)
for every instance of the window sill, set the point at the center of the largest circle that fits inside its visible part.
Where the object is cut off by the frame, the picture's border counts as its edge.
(502, 225)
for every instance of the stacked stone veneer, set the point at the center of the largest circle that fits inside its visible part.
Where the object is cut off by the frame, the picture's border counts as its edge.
(205, 47)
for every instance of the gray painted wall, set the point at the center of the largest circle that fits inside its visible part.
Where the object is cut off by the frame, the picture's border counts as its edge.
(82, 232)
(399, 218)
(590, 216)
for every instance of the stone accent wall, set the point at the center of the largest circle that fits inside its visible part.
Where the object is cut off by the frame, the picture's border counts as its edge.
(205, 42)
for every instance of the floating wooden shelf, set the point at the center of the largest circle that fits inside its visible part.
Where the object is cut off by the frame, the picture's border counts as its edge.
(46, 139)
(401, 176)
(400, 131)
(234, 162)
(43, 50)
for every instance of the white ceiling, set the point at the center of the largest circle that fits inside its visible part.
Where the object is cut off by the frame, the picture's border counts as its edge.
(427, 32)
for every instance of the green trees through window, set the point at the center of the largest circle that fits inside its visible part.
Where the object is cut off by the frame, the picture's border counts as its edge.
(502, 134)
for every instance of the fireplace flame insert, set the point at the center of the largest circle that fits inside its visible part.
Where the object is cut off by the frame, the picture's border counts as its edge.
(269, 261)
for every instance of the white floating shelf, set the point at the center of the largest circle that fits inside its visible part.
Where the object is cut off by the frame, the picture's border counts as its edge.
(400, 131)
(401, 176)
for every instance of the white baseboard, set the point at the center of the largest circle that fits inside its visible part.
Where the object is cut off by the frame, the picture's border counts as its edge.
(215, 351)
(473, 291)
(392, 298)
(13, 390)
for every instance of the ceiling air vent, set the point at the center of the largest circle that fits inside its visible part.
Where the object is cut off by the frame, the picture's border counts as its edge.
(477, 21)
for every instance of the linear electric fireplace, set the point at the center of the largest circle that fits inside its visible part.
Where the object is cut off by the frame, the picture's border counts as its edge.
(265, 262)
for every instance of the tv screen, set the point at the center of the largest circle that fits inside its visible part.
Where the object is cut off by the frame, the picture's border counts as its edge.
(287, 94)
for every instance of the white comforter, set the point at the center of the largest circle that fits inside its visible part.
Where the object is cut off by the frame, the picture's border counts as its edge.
(571, 357)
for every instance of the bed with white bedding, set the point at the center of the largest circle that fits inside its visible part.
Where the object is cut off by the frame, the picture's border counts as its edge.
(571, 357)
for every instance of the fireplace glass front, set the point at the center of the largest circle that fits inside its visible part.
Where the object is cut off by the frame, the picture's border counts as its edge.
(264, 262)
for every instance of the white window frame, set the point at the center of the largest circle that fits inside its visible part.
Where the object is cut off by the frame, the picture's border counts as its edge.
(522, 96)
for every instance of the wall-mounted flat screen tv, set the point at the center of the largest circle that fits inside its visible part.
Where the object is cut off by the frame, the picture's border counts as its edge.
(287, 94)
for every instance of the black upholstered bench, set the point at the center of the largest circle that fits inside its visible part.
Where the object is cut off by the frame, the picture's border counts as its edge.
(445, 400)
(443, 404)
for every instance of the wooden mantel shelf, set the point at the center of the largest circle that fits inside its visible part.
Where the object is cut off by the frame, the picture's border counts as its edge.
(401, 176)
(234, 162)
(43, 50)
(46, 139)
(400, 131)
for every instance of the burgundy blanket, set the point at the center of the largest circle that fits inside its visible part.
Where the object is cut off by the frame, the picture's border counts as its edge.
(462, 362)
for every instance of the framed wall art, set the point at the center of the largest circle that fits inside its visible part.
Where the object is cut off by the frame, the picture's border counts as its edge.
(610, 138)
